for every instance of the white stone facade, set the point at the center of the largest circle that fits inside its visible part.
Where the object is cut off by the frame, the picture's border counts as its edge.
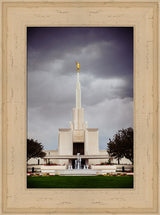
(78, 138)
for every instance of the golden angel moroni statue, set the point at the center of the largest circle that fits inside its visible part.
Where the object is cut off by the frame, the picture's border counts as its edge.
(77, 66)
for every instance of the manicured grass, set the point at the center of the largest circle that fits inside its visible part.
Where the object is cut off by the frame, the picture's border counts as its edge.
(80, 182)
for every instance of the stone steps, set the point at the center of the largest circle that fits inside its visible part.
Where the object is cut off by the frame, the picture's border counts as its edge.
(75, 172)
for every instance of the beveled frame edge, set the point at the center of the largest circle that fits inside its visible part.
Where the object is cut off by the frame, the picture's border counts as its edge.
(1, 193)
(156, 107)
(156, 100)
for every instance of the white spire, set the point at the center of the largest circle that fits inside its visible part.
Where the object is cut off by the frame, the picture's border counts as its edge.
(78, 90)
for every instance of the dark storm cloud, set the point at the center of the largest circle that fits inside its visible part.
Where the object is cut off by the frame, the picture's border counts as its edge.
(113, 46)
(106, 75)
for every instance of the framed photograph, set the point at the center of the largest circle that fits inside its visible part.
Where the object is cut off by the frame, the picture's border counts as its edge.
(96, 89)
(34, 33)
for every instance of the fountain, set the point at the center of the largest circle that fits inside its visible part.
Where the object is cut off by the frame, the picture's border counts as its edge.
(78, 162)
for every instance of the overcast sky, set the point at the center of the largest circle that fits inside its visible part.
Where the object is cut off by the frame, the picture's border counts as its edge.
(105, 55)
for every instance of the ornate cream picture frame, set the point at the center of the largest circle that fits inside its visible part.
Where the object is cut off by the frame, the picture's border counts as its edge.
(144, 17)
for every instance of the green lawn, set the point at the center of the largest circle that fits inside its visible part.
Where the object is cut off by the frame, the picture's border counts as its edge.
(80, 182)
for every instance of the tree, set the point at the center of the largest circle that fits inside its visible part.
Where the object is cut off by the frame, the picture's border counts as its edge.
(121, 145)
(128, 143)
(34, 149)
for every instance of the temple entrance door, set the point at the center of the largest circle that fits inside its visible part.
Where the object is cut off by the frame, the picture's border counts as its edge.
(78, 148)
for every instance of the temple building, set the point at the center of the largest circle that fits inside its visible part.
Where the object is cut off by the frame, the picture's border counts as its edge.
(78, 138)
